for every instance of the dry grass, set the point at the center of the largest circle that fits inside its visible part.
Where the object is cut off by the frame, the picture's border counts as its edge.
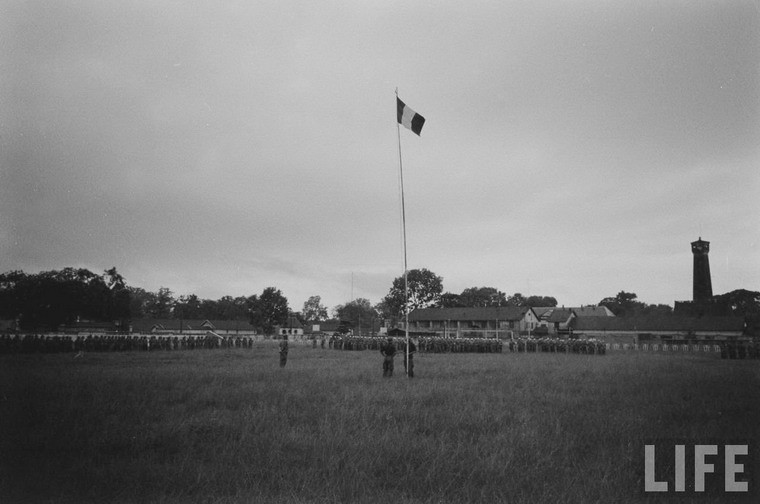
(230, 426)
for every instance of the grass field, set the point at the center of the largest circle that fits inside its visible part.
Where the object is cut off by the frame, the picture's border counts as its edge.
(229, 426)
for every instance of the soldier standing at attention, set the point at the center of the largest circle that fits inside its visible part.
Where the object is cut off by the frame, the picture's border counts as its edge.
(388, 350)
(284, 351)
(409, 363)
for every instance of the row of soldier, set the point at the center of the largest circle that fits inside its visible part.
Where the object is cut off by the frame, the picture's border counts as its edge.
(557, 345)
(38, 343)
(740, 350)
(429, 344)
(424, 344)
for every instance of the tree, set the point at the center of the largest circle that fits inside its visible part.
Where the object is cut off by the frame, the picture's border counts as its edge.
(313, 310)
(516, 299)
(543, 301)
(188, 307)
(268, 310)
(450, 300)
(51, 298)
(359, 312)
(740, 302)
(482, 297)
(425, 289)
(623, 304)
(120, 297)
(139, 299)
(162, 304)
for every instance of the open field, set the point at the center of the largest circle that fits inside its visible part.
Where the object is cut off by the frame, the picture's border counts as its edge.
(230, 426)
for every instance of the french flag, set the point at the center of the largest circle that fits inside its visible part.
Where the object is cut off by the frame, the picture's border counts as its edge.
(408, 117)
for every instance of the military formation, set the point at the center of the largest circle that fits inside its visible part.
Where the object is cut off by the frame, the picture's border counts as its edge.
(740, 350)
(558, 345)
(38, 343)
(429, 344)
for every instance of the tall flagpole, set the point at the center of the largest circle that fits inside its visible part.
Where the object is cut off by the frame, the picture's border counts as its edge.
(403, 225)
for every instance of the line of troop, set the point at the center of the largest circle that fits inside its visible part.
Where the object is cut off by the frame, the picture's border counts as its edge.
(38, 343)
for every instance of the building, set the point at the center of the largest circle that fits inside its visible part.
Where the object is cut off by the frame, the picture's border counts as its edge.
(557, 320)
(493, 321)
(656, 329)
(191, 326)
(291, 328)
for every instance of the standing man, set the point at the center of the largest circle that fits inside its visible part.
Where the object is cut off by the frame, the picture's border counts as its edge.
(284, 351)
(409, 358)
(388, 351)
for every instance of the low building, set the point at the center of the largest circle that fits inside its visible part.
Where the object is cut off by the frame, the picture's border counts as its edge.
(191, 326)
(493, 321)
(292, 328)
(557, 320)
(659, 328)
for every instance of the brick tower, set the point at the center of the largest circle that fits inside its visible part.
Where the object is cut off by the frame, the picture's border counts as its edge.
(702, 281)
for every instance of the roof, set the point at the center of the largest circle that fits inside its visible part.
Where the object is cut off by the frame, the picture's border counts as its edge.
(659, 323)
(146, 324)
(559, 315)
(397, 331)
(477, 313)
(593, 311)
(328, 325)
(540, 310)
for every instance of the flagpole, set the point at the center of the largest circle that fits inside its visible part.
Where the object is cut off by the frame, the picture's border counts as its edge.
(403, 225)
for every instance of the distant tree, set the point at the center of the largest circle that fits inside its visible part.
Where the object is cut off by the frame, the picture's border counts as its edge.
(268, 310)
(516, 299)
(384, 311)
(359, 312)
(540, 301)
(451, 300)
(162, 304)
(120, 298)
(653, 310)
(740, 302)
(49, 299)
(113, 279)
(313, 310)
(229, 308)
(139, 300)
(188, 307)
(624, 304)
(13, 293)
(482, 297)
(425, 288)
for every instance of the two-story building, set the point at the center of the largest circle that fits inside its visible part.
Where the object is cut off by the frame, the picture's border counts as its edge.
(493, 321)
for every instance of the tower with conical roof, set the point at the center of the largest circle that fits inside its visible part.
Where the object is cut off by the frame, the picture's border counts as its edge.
(702, 282)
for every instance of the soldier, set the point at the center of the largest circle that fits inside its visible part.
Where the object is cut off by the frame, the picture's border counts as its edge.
(388, 351)
(284, 351)
(409, 358)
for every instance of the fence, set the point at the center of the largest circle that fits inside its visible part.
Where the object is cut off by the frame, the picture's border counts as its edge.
(727, 350)
(664, 347)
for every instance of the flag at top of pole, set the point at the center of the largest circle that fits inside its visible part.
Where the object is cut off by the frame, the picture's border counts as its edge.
(408, 117)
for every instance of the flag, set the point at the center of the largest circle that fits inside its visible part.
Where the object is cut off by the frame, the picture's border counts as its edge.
(408, 117)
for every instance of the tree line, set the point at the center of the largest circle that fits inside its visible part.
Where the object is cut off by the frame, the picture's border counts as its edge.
(51, 299)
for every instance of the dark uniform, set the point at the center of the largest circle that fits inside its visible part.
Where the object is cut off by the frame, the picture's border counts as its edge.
(284, 351)
(388, 350)
(409, 361)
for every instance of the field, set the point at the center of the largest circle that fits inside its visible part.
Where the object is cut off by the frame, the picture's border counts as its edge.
(231, 426)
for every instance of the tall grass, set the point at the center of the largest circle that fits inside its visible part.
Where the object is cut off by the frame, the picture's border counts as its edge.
(231, 426)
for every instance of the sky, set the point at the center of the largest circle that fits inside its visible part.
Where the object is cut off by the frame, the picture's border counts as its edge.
(571, 148)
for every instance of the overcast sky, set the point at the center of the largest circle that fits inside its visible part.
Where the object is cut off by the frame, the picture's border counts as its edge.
(572, 148)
